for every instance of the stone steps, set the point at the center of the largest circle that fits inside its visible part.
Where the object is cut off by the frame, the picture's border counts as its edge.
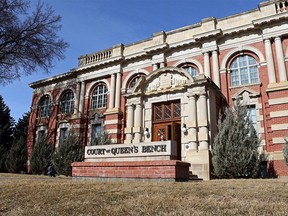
(193, 177)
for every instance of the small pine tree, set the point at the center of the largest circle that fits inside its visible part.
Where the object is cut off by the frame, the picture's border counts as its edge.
(41, 156)
(17, 156)
(235, 150)
(67, 153)
(285, 151)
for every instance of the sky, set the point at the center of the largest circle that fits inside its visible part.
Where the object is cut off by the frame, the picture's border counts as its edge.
(92, 25)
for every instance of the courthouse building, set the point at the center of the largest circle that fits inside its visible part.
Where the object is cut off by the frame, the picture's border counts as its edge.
(172, 86)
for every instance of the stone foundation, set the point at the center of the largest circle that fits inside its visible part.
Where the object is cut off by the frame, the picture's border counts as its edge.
(166, 170)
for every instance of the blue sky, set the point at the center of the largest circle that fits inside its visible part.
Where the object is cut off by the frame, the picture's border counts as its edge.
(92, 25)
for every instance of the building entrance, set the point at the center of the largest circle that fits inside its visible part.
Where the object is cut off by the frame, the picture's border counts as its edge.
(167, 123)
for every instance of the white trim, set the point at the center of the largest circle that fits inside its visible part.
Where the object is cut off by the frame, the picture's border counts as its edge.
(40, 97)
(93, 84)
(61, 94)
(278, 140)
(241, 49)
(276, 101)
(279, 127)
(279, 114)
(190, 60)
(111, 122)
(130, 75)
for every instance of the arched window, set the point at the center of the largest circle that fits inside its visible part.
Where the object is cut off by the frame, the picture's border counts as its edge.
(44, 106)
(67, 102)
(99, 97)
(134, 80)
(244, 70)
(191, 70)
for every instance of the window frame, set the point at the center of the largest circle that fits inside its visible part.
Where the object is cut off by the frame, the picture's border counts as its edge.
(241, 75)
(63, 135)
(99, 99)
(67, 102)
(193, 71)
(44, 106)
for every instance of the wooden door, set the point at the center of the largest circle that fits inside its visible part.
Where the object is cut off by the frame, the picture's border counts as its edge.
(161, 132)
(177, 137)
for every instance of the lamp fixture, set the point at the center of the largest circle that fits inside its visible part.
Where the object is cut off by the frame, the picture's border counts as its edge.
(184, 128)
(146, 132)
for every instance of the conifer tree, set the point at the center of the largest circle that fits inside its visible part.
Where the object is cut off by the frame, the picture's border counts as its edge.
(67, 153)
(17, 155)
(235, 150)
(41, 156)
(6, 133)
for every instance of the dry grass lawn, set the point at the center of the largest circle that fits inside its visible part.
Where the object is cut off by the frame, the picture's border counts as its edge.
(41, 195)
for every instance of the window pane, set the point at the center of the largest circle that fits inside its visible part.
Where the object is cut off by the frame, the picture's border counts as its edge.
(244, 76)
(167, 111)
(191, 70)
(234, 78)
(158, 112)
(63, 135)
(251, 112)
(177, 110)
(244, 71)
(99, 97)
(67, 102)
(44, 106)
(133, 82)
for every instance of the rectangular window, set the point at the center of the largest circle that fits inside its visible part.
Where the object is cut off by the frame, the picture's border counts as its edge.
(251, 112)
(63, 135)
(96, 132)
(41, 135)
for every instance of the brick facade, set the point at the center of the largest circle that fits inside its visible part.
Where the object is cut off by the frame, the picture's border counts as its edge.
(210, 47)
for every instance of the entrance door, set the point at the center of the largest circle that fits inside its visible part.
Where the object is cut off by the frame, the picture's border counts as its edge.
(177, 137)
(167, 123)
(162, 132)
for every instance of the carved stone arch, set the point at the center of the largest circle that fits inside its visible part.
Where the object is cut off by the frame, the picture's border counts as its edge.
(229, 55)
(93, 84)
(190, 60)
(162, 72)
(132, 74)
(60, 94)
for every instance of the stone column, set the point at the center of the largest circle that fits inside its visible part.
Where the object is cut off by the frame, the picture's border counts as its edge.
(280, 59)
(82, 96)
(193, 121)
(216, 74)
(118, 90)
(137, 129)
(270, 62)
(112, 92)
(76, 107)
(207, 72)
(130, 124)
(203, 122)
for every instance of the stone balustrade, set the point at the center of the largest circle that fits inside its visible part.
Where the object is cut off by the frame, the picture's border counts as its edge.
(95, 57)
(281, 6)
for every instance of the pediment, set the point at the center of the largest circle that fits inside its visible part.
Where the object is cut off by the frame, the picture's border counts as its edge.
(163, 79)
(246, 90)
(245, 94)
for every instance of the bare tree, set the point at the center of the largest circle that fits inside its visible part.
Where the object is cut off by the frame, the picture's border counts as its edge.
(28, 41)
